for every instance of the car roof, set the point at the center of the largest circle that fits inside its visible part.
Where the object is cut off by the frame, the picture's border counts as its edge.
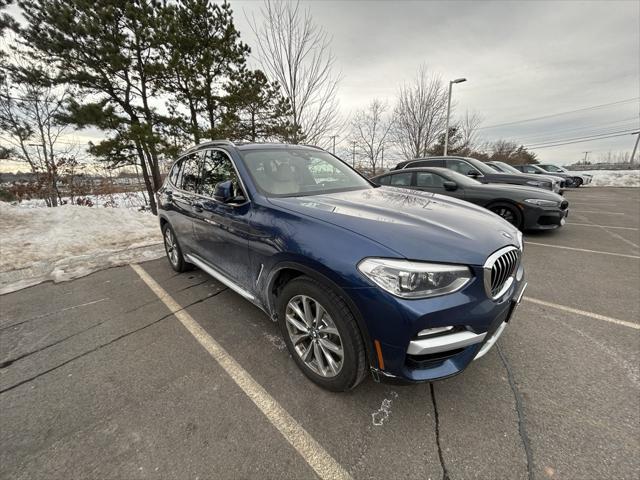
(413, 169)
(243, 146)
(457, 157)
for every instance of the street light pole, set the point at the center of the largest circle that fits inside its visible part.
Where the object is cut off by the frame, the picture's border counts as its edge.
(635, 147)
(446, 132)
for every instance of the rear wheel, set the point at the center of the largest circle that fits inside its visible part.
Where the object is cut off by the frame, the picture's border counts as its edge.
(509, 212)
(173, 250)
(321, 334)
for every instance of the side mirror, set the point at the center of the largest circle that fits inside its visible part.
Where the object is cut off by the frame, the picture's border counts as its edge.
(473, 174)
(224, 191)
(450, 186)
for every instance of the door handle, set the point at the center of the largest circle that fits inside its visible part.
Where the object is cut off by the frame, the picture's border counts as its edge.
(197, 207)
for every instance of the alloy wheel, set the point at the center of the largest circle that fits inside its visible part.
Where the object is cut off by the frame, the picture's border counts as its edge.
(171, 247)
(505, 213)
(314, 336)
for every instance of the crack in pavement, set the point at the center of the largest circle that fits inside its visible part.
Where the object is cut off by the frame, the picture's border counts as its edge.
(445, 473)
(114, 340)
(10, 361)
(520, 411)
(44, 315)
(156, 300)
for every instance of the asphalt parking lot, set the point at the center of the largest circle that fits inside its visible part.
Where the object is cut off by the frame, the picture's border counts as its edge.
(100, 379)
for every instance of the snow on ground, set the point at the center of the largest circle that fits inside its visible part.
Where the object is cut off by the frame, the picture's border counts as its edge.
(614, 178)
(116, 200)
(40, 244)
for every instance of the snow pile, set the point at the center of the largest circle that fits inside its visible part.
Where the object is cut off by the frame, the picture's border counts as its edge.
(40, 244)
(614, 178)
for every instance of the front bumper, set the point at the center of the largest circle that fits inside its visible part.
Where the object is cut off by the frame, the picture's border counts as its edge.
(545, 218)
(408, 358)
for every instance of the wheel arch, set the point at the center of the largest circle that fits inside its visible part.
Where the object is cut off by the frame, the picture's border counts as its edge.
(287, 271)
(507, 201)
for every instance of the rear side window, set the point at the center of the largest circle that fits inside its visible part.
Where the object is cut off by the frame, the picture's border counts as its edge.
(384, 180)
(461, 166)
(190, 173)
(428, 180)
(423, 163)
(401, 179)
(216, 168)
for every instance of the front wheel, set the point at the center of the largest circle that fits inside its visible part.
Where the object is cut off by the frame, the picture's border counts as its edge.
(509, 212)
(577, 182)
(321, 334)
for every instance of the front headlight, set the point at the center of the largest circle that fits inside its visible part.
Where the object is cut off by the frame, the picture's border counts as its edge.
(407, 279)
(520, 240)
(542, 203)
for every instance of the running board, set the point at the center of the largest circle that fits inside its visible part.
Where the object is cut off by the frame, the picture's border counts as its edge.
(198, 262)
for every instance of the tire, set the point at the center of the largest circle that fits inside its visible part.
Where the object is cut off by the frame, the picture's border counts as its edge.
(173, 250)
(334, 316)
(577, 182)
(508, 212)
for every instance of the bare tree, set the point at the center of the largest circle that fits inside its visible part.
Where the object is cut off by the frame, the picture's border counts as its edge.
(296, 52)
(29, 105)
(370, 131)
(420, 114)
(468, 129)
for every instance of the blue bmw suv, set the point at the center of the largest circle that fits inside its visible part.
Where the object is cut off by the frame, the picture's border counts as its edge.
(410, 286)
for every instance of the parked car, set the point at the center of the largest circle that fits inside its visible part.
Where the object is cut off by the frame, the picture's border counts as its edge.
(409, 285)
(536, 170)
(527, 208)
(476, 169)
(581, 178)
(506, 168)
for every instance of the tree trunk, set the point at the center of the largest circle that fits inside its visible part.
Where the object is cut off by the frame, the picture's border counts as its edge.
(147, 179)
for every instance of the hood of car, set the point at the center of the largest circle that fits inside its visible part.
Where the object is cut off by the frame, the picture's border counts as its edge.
(416, 225)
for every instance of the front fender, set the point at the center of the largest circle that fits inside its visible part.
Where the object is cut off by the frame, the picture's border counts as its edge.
(321, 274)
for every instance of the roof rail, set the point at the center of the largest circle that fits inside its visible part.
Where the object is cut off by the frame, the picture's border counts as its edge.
(209, 143)
(312, 146)
(222, 142)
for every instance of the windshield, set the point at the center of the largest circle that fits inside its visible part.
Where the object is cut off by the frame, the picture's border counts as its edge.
(296, 172)
(505, 167)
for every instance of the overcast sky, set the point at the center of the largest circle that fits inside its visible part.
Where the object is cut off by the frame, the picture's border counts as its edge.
(522, 60)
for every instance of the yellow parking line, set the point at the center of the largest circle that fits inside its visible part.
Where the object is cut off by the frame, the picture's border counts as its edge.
(582, 250)
(584, 313)
(310, 450)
